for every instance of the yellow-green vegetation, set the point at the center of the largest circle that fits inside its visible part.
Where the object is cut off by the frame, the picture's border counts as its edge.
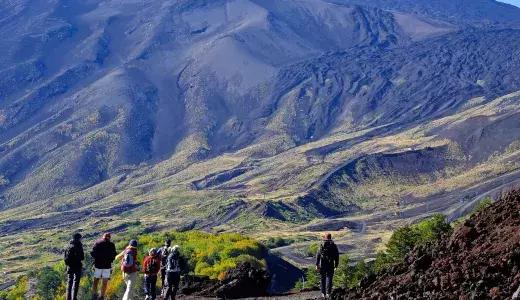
(206, 254)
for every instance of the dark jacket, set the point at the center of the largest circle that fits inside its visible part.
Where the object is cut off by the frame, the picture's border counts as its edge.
(104, 253)
(175, 263)
(76, 256)
(327, 255)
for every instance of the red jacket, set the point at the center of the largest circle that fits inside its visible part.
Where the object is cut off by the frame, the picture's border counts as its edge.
(148, 260)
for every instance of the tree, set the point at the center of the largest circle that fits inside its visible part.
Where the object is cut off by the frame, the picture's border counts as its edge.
(48, 282)
(343, 275)
(383, 260)
(432, 229)
(312, 281)
(403, 240)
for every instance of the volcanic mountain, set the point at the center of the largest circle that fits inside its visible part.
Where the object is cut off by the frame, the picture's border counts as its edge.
(249, 115)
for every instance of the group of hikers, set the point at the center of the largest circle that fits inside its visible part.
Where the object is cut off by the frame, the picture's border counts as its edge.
(166, 261)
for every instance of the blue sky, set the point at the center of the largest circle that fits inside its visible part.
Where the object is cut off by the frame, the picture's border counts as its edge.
(514, 2)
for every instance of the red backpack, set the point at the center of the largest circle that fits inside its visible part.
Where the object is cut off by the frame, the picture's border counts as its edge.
(128, 262)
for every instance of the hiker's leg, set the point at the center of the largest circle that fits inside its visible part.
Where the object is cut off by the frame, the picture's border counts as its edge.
(323, 281)
(75, 289)
(126, 279)
(70, 282)
(163, 280)
(168, 286)
(104, 285)
(330, 276)
(153, 286)
(132, 283)
(146, 285)
(176, 282)
(95, 286)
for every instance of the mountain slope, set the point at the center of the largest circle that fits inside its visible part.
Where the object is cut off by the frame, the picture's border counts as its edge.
(130, 83)
(461, 12)
(253, 116)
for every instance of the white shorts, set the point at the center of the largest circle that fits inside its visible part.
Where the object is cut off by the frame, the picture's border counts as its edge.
(102, 273)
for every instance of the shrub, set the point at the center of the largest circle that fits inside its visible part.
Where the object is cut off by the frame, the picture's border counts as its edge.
(404, 239)
(312, 249)
(312, 281)
(49, 280)
(275, 242)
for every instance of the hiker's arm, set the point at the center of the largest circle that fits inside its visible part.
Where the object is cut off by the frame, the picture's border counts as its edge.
(93, 252)
(318, 257)
(119, 256)
(336, 257)
(145, 263)
(81, 254)
(114, 252)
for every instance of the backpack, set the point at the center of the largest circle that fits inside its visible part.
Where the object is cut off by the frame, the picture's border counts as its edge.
(164, 256)
(173, 264)
(328, 251)
(151, 267)
(128, 262)
(70, 255)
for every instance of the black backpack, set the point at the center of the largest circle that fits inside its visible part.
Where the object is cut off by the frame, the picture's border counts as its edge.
(328, 251)
(151, 267)
(173, 264)
(71, 255)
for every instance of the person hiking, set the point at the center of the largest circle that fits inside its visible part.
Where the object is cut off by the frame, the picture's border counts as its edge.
(129, 268)
(104, 252)
(151, 267)
(163, 255)
(73, 258)
(327, 260)
(174, 267)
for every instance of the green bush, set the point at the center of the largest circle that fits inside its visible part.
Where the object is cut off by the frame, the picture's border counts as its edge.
(404, 239)
(312, 281)
(482, 205)
(312, 249)
(275, 242)
(383, 260)
(348, 276)
(48, 282)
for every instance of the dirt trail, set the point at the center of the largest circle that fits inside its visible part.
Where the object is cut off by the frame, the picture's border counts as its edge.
(298, 296)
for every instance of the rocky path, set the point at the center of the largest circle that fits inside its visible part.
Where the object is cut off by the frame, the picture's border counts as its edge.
(296, 296)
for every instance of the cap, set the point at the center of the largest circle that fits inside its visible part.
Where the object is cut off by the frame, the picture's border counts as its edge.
(77, 236)
(133, 243)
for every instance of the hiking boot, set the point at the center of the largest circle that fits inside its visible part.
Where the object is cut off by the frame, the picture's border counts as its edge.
(323, 295)
(95, 297)
(101, 298)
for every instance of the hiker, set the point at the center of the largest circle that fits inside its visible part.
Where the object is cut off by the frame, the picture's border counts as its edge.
(163, 255)
(174, 267)
(73, 258)
(327, 260)
(103, 253)
(129, 268)
(151, 267)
